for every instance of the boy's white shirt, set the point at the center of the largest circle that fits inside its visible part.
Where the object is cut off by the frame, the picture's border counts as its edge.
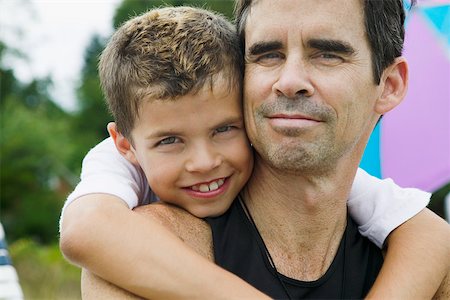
(378, 206)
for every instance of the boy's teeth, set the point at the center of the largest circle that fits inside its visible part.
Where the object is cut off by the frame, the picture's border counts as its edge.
(204, 188)
(208, 187)
(213, 186)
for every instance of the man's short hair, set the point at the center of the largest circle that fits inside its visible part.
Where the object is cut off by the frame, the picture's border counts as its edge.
(166, 53)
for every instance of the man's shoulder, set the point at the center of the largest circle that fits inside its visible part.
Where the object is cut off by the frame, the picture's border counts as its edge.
(195, 232)
(444, 290)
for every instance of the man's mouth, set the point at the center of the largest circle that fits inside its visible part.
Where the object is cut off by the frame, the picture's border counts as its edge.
(208, 187)
(293, 117)
(296, 121)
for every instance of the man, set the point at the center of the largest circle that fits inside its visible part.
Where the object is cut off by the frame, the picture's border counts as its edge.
(316, 84)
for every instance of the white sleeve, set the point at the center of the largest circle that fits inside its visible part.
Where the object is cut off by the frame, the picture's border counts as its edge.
(105, 170)
(380, 206)
(9, 282)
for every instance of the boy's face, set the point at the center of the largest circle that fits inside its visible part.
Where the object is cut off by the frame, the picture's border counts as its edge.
(194, 150)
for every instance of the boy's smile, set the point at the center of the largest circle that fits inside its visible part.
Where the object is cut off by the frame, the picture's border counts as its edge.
(193, 149)
(208, 186)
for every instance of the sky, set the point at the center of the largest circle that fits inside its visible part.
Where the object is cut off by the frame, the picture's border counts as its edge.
(53, 34)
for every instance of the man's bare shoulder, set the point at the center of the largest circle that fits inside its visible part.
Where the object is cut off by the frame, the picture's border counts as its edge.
(193, 231)
(444, 290)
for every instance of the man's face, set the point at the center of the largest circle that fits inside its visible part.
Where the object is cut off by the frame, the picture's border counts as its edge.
(194, 150)
(309, 91)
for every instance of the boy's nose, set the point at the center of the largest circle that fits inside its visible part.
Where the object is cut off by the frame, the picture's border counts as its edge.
(203, 159)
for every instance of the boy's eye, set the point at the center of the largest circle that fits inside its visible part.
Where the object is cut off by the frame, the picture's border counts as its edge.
(227, 129)
(169, 140)
(224, 128)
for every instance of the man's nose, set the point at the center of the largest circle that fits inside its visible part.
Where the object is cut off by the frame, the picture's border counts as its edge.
(293, 79)
(203, 158)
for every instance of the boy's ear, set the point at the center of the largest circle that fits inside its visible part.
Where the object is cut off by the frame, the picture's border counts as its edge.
(122, 144)
(394, 82)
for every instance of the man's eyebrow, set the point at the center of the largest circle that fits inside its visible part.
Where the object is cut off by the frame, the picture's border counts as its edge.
(263, 47)
(331, 46)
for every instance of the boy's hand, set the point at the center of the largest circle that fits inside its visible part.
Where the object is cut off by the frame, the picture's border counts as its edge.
(135, 251)
(419, 246)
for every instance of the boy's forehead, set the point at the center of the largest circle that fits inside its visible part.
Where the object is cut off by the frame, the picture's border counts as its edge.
(223, 83)
(210, 105)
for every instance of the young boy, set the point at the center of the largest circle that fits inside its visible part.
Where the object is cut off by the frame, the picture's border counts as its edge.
(172, 78)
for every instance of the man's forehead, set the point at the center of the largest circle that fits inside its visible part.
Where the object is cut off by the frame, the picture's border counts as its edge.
(261, 11)
(305, 19)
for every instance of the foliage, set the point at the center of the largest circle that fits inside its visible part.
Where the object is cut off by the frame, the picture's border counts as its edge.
(437, 201)
(34, 146)
(130, 8)
(43, 272)
(89, 122)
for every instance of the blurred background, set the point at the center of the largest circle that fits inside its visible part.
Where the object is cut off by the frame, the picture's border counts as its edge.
(52, 112)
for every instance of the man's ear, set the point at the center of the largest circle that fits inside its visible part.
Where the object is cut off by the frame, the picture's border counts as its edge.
(394, 82)
(123, 145)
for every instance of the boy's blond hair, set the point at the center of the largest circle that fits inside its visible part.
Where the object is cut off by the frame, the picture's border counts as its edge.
(166, 53)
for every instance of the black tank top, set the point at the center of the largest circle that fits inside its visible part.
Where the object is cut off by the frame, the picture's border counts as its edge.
(239, 249)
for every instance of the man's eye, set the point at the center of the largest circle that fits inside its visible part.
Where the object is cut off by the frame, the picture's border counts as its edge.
(268, 56)
(168, 141)
(329, 57)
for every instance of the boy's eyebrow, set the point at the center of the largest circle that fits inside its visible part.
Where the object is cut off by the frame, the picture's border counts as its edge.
(263, 47)
(331, 46)
(164, 133)
(230, 120)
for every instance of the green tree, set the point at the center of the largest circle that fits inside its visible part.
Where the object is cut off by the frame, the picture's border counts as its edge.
(130, 8)
(437, 201)
(89, 121)
(34, 144)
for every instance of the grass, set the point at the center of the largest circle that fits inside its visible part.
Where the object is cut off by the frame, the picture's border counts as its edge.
(43, 272)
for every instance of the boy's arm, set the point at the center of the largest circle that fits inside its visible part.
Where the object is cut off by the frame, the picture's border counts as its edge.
(380, 206)
(417, 260)
(105, 171)
(140, 255)
(94, 287)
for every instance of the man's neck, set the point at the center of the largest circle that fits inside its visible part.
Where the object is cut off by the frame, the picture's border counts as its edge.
(300, 217)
